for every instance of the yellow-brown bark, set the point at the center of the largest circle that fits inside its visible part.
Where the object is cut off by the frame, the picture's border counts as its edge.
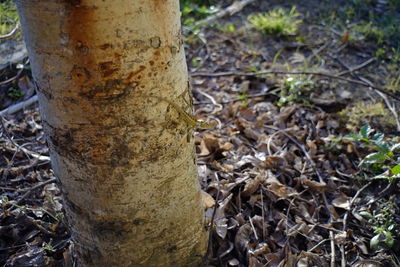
(125, 161)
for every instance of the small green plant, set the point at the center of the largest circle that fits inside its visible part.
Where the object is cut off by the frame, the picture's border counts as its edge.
(368, 31)
(230, 28)
(196, 62)
(244, 98)
(15, 93)
(396, 55)
(380, 52)
(386, 230)
(278, 22)
(193, 11)
(293, 90)
(370, 23)
(383, 161)
(48, 247)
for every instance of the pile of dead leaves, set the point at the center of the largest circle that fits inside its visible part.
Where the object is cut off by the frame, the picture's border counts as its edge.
(32, 232)
(286, 189)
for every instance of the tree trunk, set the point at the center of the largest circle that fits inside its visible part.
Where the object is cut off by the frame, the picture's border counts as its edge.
(124, 158)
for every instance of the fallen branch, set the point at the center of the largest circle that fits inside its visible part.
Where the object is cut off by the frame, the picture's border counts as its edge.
(325, 74)
(230, 10)
(17, 107)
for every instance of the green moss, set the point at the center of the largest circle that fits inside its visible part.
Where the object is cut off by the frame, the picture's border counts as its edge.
(8, 16)
(368, 31)
(15, 93)
(279, 22)
(363, 113)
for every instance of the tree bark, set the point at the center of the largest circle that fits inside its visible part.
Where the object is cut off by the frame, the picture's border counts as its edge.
(125, 159)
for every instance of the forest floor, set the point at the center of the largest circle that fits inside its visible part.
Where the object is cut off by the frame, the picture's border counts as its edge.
(303, 163)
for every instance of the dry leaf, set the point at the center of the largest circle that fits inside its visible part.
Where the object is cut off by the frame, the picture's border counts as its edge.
(207, 199)
(314, 185)
(342, 201)
(252, 185)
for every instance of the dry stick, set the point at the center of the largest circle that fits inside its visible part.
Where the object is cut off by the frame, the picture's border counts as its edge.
(331, 237)
(17, 107)
(214, 102)
(38, 225)
(392, 108)
(317, 245)
(12, 78)
(205, 258)
(272, 92)
(254, 229)
(319, 50)
(52, 180)
(230, 10)
(343, 262)
(262, 214)
(31, 153)
(333, 76)
(11, 33)
(358, 67)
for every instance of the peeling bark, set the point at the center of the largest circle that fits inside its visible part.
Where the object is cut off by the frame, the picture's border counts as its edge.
(125, 161)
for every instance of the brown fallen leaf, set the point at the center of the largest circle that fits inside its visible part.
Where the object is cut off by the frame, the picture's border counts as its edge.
(278, 188)
(314, 185)
(207, 199)
(252, 185)
(342, 201)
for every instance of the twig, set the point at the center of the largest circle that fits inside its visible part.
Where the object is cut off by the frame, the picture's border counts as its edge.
(12, 78)
(21, 105)
(214, 102)
(317, 245)
(28, 152)
(343, 252)
(205, 258)
(329, 75)
(390, 106)
(331, 237)
(272, 92)
(230, 10)
(224, 253)
(358, 67)
(254, 229)
(11, 33)
(38, 225)
(263, 214)
(52, 180)
(319, 50)
(271, 137)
